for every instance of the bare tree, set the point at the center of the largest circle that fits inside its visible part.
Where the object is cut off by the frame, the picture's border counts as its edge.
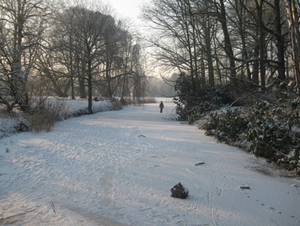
(222, 17)
(125, 65)
(22, 24)
(89, 32)
(111, 45)
(53, 74)
(177, 37)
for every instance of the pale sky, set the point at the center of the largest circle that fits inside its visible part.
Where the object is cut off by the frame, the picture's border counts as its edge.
(128, 8)
(123, 8)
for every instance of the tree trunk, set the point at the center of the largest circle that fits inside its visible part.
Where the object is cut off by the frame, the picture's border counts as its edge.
(107, 75)
(279, 41)
(211, 76)
(71, 65)
(256, 62)
(228, 46)
(242, 27)
(81, 79)
(192, 21)
(292, 16)
(203, 82)
(90, 90)
(261, 45)
(82, 87)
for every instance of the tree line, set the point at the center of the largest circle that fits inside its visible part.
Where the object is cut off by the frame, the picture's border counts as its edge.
(51, 49)
(72, 50)
(246, 43)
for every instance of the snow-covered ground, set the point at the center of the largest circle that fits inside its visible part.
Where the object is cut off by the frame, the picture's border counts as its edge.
(9, 125)
(117, 168)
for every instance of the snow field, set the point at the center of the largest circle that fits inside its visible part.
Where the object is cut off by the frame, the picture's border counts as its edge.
(117, 168)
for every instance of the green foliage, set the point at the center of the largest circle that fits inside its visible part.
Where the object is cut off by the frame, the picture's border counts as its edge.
(227, 125)
(192, 105)
(186, 97)
(269, 129)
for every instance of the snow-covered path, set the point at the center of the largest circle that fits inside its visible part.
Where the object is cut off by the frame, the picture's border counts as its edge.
(117, 168)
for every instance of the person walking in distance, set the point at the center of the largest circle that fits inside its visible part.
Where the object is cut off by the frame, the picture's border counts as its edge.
(161, 106)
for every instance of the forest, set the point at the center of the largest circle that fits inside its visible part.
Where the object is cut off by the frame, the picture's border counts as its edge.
(67, 50)
(241, 42)
(50, 48)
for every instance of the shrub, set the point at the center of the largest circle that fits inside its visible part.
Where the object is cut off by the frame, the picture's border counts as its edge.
(46, 113)
(273, 131)
(149, 100)
(192, 107)
(11, 122)
(126, 101)
(270, 131)
(116, 105)
(227, 126)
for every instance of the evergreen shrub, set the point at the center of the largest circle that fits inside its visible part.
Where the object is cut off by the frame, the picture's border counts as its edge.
(227, 126)
(273, 131)
(193, 104)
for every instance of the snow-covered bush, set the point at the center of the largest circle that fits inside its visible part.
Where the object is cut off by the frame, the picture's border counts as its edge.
(193, 106)
(10, 125)
(269, 126)
(46, 112)
(227, 126)
(271, 131)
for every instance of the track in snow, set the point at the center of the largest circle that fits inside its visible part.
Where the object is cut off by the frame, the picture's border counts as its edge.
(117, 168)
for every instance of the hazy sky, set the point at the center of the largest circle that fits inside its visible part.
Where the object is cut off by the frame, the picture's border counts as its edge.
(128, 8)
